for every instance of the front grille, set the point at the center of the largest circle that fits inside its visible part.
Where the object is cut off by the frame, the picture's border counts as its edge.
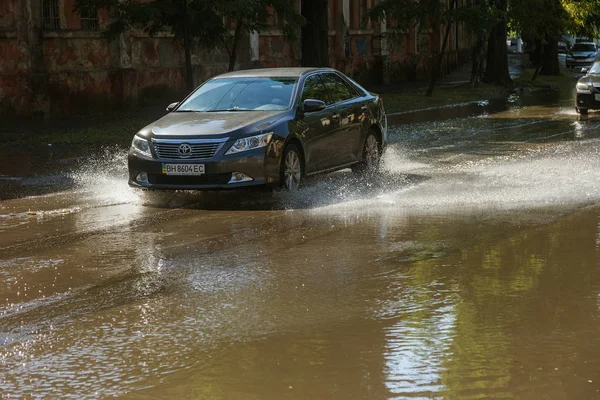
(199, 150)
(212, 179)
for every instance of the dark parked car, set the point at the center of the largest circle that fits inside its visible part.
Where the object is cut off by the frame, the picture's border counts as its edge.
(261, 127)
(581, 55)
(588, 89)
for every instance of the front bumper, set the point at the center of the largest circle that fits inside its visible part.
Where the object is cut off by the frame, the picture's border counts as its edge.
(262, 165)
(579, 63)
(586, 100)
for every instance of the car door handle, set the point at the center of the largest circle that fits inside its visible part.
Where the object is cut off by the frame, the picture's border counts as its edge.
(364, 107)
(335, 116)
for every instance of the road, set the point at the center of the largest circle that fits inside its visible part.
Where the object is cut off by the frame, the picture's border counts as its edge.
(468, 269)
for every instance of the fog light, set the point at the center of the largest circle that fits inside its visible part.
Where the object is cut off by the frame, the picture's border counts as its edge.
(142, 177)
(238, 177)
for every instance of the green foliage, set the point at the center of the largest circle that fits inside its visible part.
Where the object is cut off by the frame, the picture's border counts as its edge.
(198, 19)
(205, 22)
(584, 17)
(537, 19)
(540, 19)
(478, 16)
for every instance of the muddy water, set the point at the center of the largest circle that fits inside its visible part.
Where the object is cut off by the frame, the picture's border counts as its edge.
(469, 269)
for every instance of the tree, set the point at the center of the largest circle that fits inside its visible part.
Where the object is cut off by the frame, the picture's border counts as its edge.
(435, 14)
(196, 22)
(542, 21)
(478, 19)
(315, 34)
(584, 17)
(496, 71)
(253, 16)
(408, 13)
(190, 21)
(448, 20)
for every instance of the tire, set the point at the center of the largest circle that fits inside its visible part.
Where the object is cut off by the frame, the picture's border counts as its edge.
(582, 111)
(292, 168)
(371, 155)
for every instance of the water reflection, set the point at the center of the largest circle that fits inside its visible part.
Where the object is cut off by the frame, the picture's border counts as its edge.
(469, 270)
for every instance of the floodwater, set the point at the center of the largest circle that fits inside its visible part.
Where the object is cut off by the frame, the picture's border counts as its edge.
(469, 269)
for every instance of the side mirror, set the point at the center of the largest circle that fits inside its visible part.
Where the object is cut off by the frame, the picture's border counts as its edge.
(311, 105)
(584, 70)
(172, 106)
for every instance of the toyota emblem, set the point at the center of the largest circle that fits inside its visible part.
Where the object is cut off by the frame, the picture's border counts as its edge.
(185, 149)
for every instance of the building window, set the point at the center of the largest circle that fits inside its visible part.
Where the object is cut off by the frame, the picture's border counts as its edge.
(89, 20)
(362, 13)
(51, 14)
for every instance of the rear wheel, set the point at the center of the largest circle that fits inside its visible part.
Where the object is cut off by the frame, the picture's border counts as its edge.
(292, 168)
(371, 155)
(582, 111)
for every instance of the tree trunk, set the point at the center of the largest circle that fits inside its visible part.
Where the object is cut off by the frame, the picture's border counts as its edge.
(549, 60)
(236, 38)
(438, 65)
(538, 55)
(187, 44)
(497, 56)
(315, 34)
(477, 61)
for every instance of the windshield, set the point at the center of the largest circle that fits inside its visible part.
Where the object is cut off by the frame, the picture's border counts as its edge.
(583, 47)
(241, 94)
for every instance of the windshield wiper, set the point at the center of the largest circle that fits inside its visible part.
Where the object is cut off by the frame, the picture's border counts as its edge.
(182, 111)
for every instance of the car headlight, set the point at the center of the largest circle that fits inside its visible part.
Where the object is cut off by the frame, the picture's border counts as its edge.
(582, 88)
(141, 145)
(250, 143)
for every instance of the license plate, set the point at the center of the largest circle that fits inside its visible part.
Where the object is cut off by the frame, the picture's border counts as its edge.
(597, 97)
(183, 169)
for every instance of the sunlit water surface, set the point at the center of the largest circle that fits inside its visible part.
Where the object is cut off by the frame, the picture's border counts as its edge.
(467, 269)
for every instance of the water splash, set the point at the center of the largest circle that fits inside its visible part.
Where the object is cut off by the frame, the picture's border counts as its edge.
(103, 177)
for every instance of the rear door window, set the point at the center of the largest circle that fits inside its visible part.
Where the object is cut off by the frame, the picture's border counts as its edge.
(338, 88)
(315, 89)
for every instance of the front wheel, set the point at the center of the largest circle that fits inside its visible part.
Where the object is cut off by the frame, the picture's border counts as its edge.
(582, 111)
(292, 168)
(371, 155)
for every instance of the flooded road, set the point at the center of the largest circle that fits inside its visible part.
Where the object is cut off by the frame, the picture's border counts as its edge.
(469, 269)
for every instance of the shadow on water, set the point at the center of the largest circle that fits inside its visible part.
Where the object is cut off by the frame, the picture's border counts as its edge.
(517, 99)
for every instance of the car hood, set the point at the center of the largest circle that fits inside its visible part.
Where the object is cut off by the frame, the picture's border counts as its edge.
(185, 124)
(591, 79)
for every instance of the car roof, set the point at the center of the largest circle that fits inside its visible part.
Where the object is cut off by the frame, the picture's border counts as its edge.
(293, 72)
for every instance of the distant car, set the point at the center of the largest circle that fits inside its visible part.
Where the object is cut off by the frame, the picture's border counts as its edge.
(581, 54)
(588, 89)
(261, 127)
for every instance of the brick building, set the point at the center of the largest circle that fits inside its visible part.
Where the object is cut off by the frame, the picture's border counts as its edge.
(55, 62)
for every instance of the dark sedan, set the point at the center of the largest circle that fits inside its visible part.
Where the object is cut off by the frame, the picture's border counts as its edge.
(588, 90)
(268, 127)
